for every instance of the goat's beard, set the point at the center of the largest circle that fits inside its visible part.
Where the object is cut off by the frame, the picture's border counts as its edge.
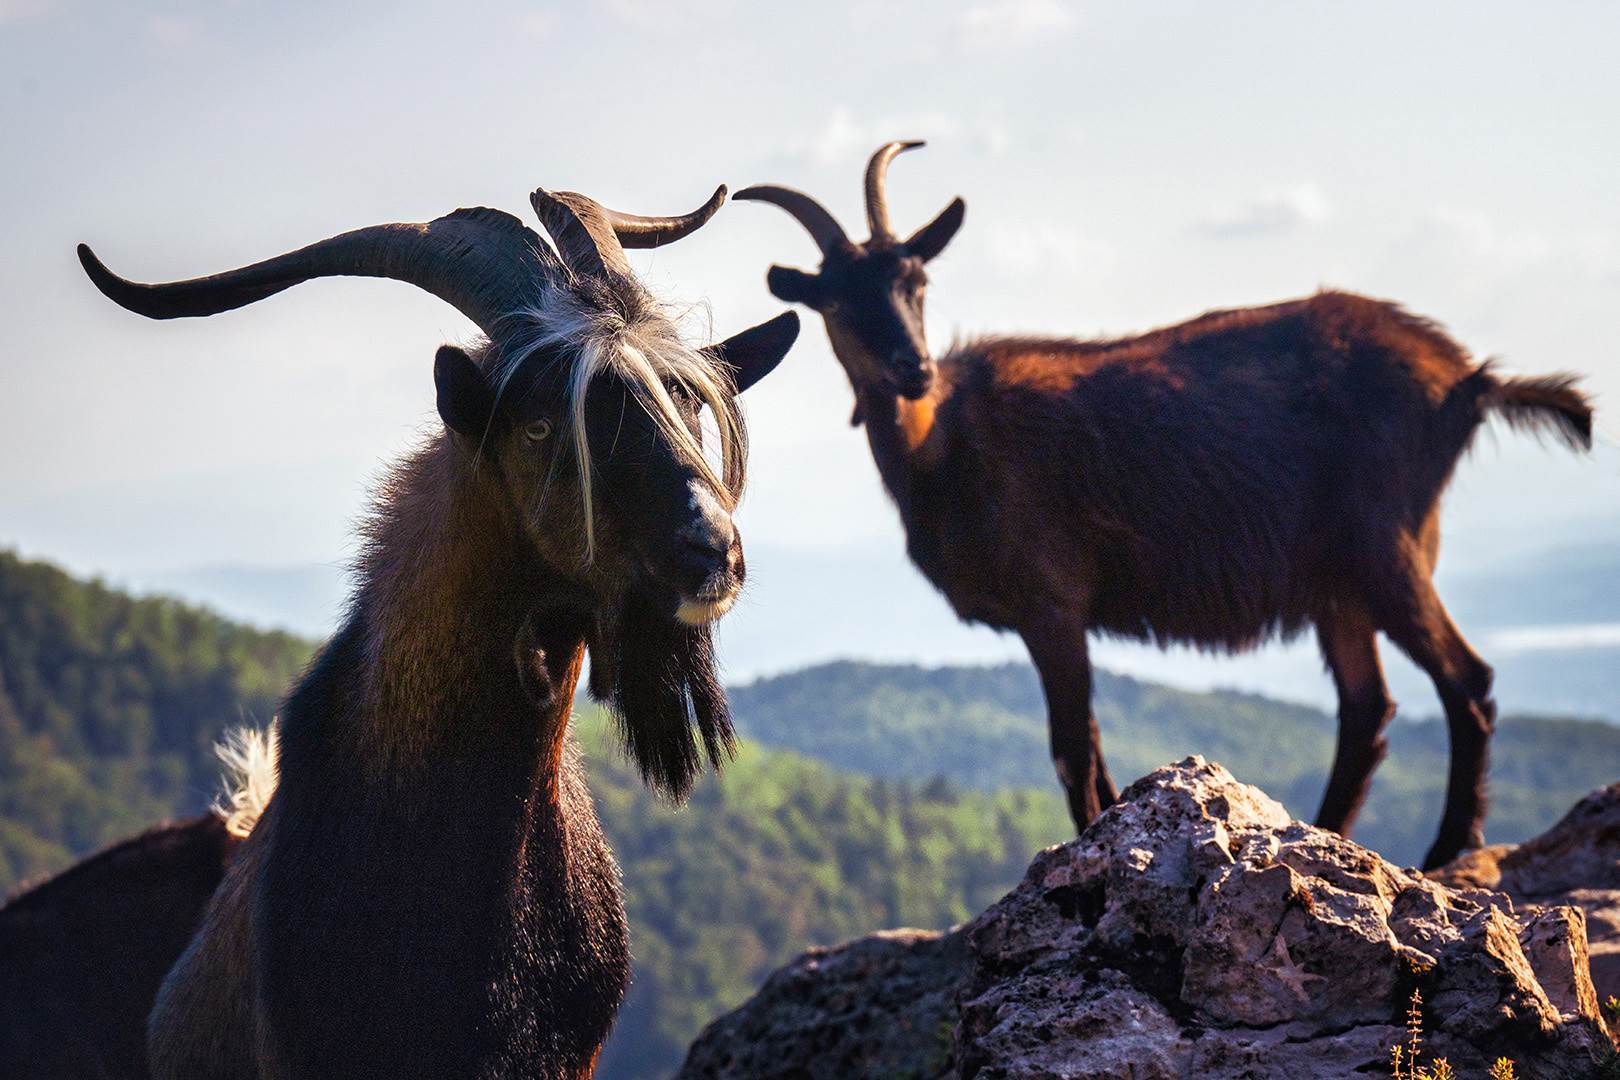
(659, 679)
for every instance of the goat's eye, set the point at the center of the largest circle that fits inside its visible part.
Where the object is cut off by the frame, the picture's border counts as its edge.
(537, 430)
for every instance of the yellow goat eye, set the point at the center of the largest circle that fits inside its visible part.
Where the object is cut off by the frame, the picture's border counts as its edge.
(537, 430)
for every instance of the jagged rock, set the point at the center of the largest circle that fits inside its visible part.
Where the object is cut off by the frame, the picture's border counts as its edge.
(1574, 863)
(1192, 931)
(880, 1006)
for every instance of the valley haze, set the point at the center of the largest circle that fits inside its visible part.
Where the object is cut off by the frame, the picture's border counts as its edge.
(1548, 622)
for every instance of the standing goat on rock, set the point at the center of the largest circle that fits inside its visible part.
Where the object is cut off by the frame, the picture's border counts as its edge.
(1213, 483)
(428, 893)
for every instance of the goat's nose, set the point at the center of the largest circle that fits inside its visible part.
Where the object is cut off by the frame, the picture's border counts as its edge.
(702, 557)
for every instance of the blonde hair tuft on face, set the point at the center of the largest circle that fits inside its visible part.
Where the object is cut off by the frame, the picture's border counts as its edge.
(646, 350)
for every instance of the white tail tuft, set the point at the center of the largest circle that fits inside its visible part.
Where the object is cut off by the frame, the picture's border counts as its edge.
(249, 757)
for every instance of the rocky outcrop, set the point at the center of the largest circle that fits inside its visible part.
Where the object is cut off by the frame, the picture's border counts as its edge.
(1192, 931)
(1576, 863)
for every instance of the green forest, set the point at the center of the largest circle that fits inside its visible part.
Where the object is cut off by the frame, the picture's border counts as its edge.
(864, 797)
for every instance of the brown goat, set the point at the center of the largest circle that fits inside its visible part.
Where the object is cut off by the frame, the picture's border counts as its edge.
(428, 892)
(82, 953)
(1214, 483)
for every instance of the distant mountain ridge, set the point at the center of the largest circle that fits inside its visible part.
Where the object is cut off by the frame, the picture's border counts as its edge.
(986, 728)
(800, 603)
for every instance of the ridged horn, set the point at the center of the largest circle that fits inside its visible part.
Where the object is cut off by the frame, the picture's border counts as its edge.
(821, 225)
(877, 195)
(584, 236)
(485, 263)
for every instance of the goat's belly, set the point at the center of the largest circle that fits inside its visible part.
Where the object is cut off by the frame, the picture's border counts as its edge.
(1217, 614)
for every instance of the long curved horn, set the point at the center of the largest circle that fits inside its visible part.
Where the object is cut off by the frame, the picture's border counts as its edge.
(821, 225)
(585, 238)
(638, 231)
(486, 263)
(877, 195)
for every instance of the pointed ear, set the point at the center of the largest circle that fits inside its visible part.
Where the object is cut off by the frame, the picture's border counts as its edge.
(931, 239)
(465, 401)
(754, 354)
(794, 286)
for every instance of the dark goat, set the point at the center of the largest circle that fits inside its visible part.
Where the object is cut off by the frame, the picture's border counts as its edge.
(82, 954)
(428, 892)
(1213, 483)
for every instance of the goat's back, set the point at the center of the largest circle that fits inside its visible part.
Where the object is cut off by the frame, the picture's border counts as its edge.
(83, 953)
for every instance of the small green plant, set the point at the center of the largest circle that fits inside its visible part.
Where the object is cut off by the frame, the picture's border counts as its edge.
(1406, 1060)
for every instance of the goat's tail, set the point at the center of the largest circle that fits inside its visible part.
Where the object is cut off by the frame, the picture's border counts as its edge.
(250, 758)
(1546, 406)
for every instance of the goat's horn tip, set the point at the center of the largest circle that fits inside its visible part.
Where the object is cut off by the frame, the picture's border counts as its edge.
(93, 265)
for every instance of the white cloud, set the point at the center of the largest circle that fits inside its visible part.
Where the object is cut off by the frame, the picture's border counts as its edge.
(173, 31)
(16, 11)
(1482, 238)
(999, 24)
(539, 23)
(1020, 249)
(845, 137)
(1273, 212)
(665, 16)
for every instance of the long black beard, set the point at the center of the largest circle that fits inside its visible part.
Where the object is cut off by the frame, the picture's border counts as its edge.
(659, 679)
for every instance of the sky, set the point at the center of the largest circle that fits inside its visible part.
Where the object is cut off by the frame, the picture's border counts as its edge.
(1124, 165)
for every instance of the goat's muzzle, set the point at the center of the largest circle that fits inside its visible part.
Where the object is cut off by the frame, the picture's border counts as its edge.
(707, 569)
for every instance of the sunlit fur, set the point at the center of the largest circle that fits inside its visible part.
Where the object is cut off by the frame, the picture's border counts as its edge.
(249, 756)
(624, 331)
(703, 612)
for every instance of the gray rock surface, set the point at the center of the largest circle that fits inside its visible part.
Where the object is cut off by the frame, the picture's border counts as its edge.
(1192, 931)
(1574, 863)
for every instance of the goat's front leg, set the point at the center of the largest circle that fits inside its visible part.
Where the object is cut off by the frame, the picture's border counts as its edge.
(1058, 648)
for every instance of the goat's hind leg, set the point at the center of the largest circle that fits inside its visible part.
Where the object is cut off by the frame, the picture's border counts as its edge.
(1059, 652)
(1350, 649)
(1420, 625)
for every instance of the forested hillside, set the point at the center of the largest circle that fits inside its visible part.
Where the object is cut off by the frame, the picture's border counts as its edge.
(109, 707)
(932, 790)
(986, 728)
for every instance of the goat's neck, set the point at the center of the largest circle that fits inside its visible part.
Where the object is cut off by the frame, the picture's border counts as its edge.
(431, 835)
(904, 436)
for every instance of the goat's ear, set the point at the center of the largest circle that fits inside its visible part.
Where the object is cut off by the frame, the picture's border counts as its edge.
(754, 354)
(795, 286)
(931, 239)
(465, 402)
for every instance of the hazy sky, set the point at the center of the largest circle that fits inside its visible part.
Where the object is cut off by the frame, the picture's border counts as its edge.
(1124, 166)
